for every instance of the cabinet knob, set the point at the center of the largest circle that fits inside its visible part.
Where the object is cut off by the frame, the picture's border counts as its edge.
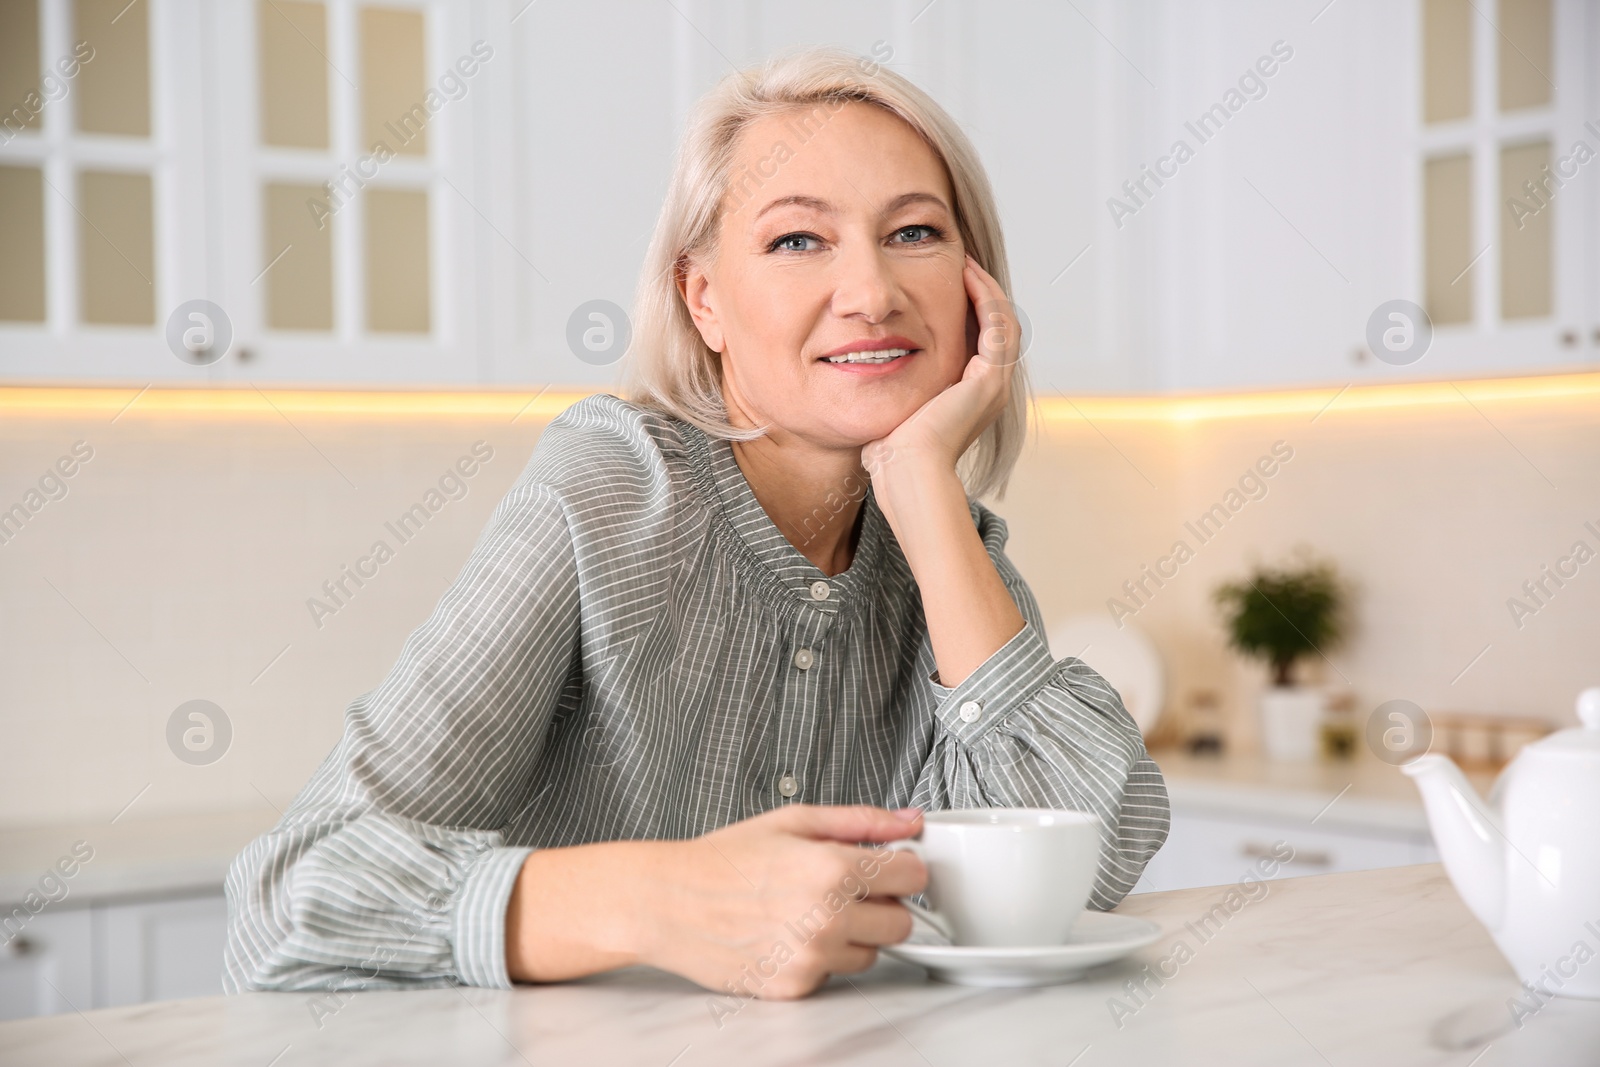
(18, 946)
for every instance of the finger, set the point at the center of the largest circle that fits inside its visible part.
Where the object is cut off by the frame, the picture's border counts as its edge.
(980, 286)
(883, 872)
(851, 959)
(981, 291)
(999, 330)
(873, 922)
(849, 823)
(982, 279)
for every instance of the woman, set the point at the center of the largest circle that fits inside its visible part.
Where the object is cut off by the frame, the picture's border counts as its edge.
(721, 633)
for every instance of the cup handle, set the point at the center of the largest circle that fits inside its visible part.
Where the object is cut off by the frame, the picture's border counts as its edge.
(939, 923)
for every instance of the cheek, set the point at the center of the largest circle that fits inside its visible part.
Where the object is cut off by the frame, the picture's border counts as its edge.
(767, 318)
(950, 323)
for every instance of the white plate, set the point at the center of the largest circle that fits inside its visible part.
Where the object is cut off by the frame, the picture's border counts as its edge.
(1097, 937)
(1124, 657)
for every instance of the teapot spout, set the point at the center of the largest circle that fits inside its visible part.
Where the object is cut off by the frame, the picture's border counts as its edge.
(1467, 833)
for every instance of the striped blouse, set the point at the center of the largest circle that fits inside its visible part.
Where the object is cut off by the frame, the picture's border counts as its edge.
(633, 650)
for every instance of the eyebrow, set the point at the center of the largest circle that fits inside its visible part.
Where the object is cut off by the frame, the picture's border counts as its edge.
(818, 204)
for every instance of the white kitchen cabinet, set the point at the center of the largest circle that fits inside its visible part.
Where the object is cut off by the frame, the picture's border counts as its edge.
(114, 952)
(158, 949)
(1257, 261)
(1209, 848)
(46, 967)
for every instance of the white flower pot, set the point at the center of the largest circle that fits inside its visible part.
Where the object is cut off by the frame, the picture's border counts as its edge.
(1291, 722)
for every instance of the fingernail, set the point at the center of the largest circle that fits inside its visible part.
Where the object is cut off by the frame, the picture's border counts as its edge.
(908, 814)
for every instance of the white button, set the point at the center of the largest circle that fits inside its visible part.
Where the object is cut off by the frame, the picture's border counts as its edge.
(970, 711)
(820, 590)
(804, 659)
(788, 785)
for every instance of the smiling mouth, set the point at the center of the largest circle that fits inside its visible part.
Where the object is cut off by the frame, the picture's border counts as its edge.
(882, 355)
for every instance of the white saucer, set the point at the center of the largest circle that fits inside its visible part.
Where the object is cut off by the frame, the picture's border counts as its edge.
(1097, 937)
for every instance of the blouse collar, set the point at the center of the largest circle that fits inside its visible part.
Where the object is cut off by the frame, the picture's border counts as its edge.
(794, 575)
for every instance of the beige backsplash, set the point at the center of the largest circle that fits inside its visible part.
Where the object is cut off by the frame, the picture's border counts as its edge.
(180, 562)
(1435, 515)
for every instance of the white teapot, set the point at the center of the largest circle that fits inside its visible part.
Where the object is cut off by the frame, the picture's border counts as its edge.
(1527, 862)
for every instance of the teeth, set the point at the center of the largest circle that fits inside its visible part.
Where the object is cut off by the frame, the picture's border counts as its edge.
(881, 356)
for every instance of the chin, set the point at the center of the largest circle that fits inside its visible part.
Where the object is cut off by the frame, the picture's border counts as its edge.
(862, 425)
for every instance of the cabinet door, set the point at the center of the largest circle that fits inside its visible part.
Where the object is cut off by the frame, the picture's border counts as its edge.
(1504, 224)
(159, 949)
(348, 207)
(44, 967)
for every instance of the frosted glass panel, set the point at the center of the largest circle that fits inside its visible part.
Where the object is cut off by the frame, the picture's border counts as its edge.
(1447, 237)
(1446, 60)
(299, 284)
(392, 81)
(20, 95)
(116, 248)
(1525, 46)
(21, 244)
(294, 74)
(113, 89)
(1525, 228)
(397, 260)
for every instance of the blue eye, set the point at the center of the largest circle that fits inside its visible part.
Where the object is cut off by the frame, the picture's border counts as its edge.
(773, 247)
(933, 231)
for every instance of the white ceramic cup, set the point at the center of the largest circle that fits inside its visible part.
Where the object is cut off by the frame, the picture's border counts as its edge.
(1007, 876)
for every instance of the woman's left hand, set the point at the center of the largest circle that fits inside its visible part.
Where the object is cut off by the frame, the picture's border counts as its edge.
(969, 610)
(944, 427)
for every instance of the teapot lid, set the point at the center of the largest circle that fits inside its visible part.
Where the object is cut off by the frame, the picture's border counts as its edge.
(1583, 739)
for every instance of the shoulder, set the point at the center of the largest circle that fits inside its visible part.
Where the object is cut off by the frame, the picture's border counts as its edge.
(991, 527)
(605, 457)
(600, 436)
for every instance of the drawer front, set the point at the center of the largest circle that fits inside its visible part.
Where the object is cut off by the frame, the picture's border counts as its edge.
(1205, 849)
(112, 953)
(159, 949)
(45, 963)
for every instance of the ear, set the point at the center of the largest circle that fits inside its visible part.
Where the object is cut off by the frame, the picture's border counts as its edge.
(695, 288)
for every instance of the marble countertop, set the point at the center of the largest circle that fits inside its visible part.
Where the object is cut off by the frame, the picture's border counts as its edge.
(1362, 793)
(1375, 967)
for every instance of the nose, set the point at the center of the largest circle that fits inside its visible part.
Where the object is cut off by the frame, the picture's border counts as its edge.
(864, 285)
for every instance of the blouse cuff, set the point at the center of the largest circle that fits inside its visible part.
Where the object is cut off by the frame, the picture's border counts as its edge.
(478, 926)
(1017, 670)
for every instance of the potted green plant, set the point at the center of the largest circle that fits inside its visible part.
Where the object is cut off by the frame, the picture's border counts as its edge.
(1279, 615)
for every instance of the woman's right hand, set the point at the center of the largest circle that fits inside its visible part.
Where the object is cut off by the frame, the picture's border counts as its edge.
(767, 907)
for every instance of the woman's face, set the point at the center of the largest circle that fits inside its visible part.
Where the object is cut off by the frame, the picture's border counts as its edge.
(844, 239)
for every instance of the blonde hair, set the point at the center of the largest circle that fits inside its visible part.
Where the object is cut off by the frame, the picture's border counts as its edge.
(670, 368)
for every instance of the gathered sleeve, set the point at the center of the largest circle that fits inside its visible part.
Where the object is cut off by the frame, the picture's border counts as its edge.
(389, 869)
(1028, 730)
